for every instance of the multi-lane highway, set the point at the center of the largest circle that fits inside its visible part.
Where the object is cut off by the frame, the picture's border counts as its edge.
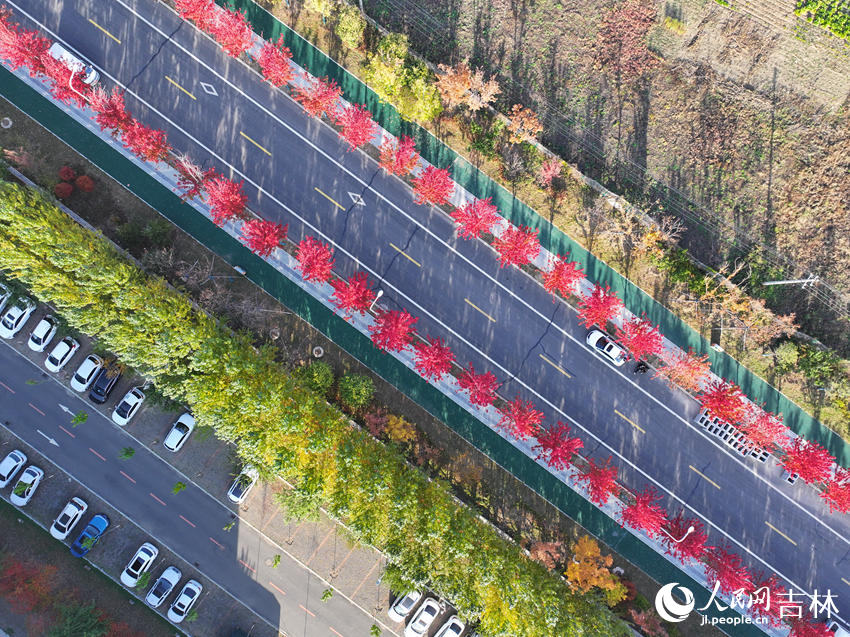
(297, 171)
(191, 523)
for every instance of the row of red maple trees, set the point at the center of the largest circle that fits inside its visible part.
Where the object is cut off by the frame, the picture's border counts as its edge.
(393, 330)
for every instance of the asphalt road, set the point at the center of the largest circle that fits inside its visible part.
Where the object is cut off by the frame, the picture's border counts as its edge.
(190, 523)
(297, 171)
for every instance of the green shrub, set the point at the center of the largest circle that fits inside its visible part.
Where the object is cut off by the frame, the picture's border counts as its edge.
(355, 391)
(832, 14)
(349, 25)
(318, 376)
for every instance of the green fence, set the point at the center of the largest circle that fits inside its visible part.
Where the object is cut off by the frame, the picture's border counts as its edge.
(169, 204)
(480, 185)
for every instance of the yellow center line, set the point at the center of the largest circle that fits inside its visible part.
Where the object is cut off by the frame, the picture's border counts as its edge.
(181, 88)
(845, 581)
(255, 143)
(329, 198)
(702, 475)
(560, 369)
(479, 309)
(105, 31)
(783, 535)
(404, 254)
(632, 423)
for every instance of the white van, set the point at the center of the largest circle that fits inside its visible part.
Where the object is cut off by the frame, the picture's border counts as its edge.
(88, 75)
(839, 631)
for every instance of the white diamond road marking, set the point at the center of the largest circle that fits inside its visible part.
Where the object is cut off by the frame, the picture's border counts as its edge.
(357, 199)
(209, 89)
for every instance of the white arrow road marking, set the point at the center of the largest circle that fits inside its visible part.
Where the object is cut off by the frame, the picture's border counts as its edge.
(49, 439)
(65, 409)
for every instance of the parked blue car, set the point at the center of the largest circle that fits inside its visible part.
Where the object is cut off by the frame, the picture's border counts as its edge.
(90, 535)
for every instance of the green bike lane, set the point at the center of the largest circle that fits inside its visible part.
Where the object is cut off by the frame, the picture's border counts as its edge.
(551, 238)
(169, 204)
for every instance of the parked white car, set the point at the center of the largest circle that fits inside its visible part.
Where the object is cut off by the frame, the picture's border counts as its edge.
(26, 485)
(452, 628)
(128, 407)
(10, 466)
(179, 432)
(61, 354)
(86, 73)
(423, 619)
(163, 586)
(16, 317)
(399, 610)
(139, 564)
(86, 373)
(5, 295)
(607, 347)
(243, 483)
(181, 606)
(68, 518)
(42, 334)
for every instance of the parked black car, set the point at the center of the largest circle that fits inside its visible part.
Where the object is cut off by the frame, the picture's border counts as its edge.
(104, 384)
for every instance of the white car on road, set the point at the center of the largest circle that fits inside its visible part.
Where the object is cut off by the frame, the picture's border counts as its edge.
(163, 586)
(139, 564)
(86, 373)
(423, 619)
(403, 605)
(15, 318)
(10, 466)
(68, 518)
(26, 485)
(42, 334)
(185, 600)
(128, 407)
(61, 354)
(179, 432)
(607, 347)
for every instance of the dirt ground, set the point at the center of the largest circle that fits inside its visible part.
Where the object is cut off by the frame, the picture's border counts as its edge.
(178, 257)
(73, 580)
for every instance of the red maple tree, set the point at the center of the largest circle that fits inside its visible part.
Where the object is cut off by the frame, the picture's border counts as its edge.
(763, 428)
(692, 547)
(357, 126)
(556, 447)
(726, 568)
(262, 237)
(599, 307)
(520, 419)
(110, 112)
(600, 479)
(274, 62)
(21, 47)
(517, 246)
(641, 338)
(232, 31)
(399, 157)
(191, 177)
(476, 217)
(767, 603)
(812, 462)
(801, 627)
(687, 370)
(724, 400)
(433, 359)
(145, 142)
(837, 493)
(563, 277)
(353, 295)
(481, 387)
(315, 260)
(318, 95)
(201, 12)
(393, 330)
(66, 85)
(225, 198)
(645, 513)
(433, 186)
